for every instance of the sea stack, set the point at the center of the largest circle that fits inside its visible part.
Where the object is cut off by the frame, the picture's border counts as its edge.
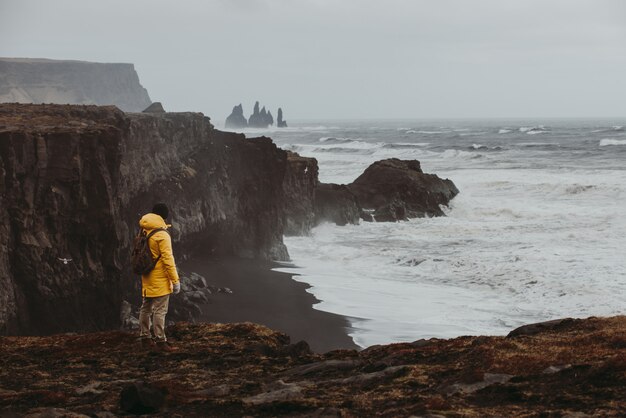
(236, 120)
(260, 118)
(279, 121)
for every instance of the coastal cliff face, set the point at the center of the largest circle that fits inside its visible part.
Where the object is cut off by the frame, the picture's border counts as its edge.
(74, 181)
(300, 187)
(567, 368)
(24, 80)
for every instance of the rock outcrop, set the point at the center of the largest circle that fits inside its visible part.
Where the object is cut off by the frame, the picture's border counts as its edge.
(280, 123)
(24, 80)
(260, 118)
(393, 189)
(74, 181)
(155, 107)
(299, 190)
(249, 370)
(388, 191)
(236, 119)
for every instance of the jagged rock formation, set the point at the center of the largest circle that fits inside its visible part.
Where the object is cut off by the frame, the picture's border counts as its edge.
(155, 107)
(24, 80)
(260, 119)
(236, 119)
(299, 189)
(74, 181)
(279, 121)
(393, 189)
(577, 369)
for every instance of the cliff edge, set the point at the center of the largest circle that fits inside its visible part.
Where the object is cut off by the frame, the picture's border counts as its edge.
(25, 80)
(74, 181)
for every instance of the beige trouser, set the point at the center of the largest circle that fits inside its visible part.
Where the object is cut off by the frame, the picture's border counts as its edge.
(157, 309)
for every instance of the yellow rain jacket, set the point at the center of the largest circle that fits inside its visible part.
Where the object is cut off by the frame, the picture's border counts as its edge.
(159, 281)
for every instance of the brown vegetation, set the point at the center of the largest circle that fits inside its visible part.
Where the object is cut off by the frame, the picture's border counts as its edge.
(577, 368)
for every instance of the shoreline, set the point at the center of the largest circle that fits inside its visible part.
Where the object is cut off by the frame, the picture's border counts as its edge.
(271, 298)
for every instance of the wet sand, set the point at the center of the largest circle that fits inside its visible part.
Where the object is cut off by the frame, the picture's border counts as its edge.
(269, 298)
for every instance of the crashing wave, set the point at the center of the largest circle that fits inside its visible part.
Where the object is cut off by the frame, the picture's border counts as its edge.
(407, 145)
(333, 139)
(533, 130)
(606, 142)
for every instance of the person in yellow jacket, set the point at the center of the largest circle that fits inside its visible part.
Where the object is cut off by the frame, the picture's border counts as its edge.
(157, 285)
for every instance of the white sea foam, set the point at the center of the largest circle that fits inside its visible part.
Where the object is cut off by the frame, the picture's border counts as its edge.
(536, 233)
(505, 131)
(534, 144)
(606, 142)
(530, 128)
(533, 130)
(333, 139)
(494, 263)
(409, 144)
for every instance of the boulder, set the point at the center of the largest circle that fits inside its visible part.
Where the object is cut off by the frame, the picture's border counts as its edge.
(540, 327)
(141, 398)
(394, 189)
(236, 119)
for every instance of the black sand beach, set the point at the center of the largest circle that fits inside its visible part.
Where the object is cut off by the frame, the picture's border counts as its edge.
(269, 298)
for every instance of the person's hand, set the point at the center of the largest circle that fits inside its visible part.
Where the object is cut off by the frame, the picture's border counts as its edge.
(176, 288)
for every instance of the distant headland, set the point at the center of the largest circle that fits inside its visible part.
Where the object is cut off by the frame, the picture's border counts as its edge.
(38, 80)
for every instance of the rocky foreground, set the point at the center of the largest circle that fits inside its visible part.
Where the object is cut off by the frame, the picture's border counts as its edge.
(573, 368)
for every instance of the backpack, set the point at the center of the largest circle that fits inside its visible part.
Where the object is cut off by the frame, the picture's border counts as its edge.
(141, 257)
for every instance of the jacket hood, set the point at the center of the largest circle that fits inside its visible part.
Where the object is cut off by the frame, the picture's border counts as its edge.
(152, 221)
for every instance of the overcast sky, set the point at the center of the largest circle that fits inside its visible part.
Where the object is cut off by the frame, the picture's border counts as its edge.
(346, 58)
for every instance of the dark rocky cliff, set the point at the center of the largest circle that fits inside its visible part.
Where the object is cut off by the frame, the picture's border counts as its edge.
(75, 179)
(299, 189)
(26, 80)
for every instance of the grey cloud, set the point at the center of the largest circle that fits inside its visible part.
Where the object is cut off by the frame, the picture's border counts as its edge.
(348, 58)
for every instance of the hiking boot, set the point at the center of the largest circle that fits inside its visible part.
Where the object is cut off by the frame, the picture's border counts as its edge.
(165, 347)
(147, 343)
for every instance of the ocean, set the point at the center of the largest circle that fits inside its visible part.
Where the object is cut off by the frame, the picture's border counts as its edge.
(537, 232)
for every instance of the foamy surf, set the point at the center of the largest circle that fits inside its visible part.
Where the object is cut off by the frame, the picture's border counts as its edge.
(608, 142)
(535, 234)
